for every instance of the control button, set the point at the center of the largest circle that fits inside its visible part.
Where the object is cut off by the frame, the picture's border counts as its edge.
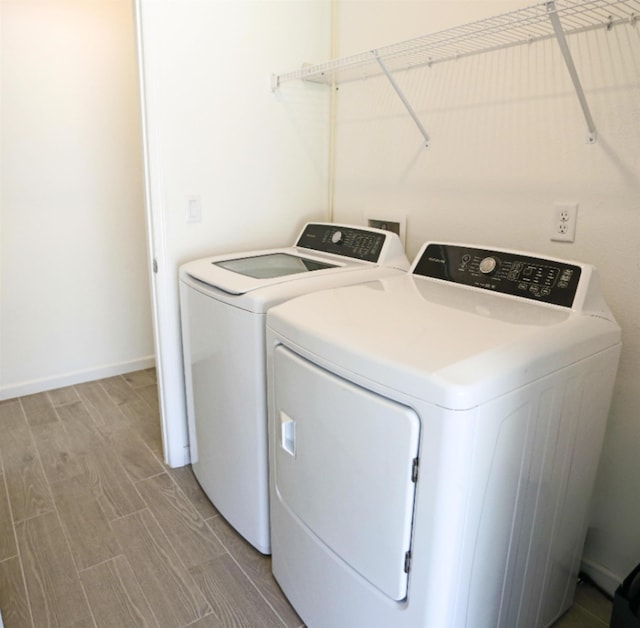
(337, 237)
(488, 265)
(516, 269)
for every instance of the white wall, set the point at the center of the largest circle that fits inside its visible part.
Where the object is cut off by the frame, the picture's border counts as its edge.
(74, 301)
(507, 140)
(256, 159)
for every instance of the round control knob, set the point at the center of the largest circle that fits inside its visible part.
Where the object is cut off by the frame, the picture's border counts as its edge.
(488, 265)
(337, 237)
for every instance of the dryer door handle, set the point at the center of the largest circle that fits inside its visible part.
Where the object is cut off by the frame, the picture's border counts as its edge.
(288, 434)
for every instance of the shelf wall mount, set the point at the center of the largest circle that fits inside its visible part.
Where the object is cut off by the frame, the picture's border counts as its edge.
(405, 101)
(592, 133)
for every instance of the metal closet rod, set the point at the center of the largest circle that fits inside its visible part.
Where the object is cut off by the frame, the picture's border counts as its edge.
(553, 19)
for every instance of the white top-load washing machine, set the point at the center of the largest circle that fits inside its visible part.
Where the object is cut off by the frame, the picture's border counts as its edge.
(434, 439)
(223, 303)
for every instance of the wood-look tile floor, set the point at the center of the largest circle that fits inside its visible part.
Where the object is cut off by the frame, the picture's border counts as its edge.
(96, 531)
(591, 609)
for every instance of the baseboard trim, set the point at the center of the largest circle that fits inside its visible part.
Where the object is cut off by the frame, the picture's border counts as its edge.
(604, 578)
(75, 377)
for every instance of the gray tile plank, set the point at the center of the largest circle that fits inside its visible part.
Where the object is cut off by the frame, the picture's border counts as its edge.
(63, 396)
(578, 617)
(118, 389)
(110, 483)
(591, 609)
(38, 409)
(139, 410)
(140, 379)
(8, 546)
(187, 532)
(163, 579)
(150, 395)
(81, 430)
(12, 415)
(258, 569)
(56, 451)
(76, 411)
(53, 585)
(593, 601)
(234, 600)
(26, 485)
(209, 621)
(101, 407)
(115, 596)
(13, 596)
(136, 458)
(89, 534)
(186, 480)
(146, 421)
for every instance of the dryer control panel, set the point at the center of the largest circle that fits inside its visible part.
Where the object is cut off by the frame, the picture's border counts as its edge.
(547, 280)
(343, 240)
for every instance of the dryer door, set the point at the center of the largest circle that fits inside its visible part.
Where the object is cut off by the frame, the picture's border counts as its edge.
(343, 465)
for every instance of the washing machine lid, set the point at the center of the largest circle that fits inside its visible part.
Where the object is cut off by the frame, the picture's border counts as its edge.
(272, 265)
(451, 344)
(243, 273)
(321, 248)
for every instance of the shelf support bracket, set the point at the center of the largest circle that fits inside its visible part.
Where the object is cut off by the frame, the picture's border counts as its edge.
(592, 135)
(404, 100)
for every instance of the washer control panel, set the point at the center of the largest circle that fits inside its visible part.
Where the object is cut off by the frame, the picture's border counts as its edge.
(536, 278)
(342, 240)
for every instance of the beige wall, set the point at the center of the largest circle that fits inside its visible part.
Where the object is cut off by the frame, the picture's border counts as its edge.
(74, 301)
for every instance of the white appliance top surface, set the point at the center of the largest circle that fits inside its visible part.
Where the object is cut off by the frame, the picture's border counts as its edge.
(454, 345)
(321, 249)
(227, 273)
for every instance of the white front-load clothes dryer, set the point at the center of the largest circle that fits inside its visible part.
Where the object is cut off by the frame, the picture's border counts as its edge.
(434, 439)
(223, 302)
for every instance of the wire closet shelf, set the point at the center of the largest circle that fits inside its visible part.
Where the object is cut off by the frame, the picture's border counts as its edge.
(528, 25)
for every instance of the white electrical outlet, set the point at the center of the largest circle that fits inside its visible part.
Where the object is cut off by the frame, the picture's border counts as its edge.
(565, 216)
